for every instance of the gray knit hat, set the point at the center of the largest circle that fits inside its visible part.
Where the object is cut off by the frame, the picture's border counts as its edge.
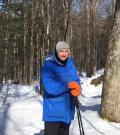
(61, 45)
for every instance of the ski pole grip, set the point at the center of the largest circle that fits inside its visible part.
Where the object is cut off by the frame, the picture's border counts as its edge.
(76, 101)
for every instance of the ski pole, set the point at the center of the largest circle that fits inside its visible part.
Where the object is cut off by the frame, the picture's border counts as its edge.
(77, 105)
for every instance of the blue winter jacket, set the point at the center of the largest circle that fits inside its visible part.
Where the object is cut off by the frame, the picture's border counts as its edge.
(57, 100)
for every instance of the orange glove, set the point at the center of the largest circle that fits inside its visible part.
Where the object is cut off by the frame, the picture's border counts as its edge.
(75, 88)
(75, 93)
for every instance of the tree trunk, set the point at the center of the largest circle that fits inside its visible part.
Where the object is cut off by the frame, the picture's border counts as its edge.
(94, 35)
(87, 36)
(110, 108)
(25, 59)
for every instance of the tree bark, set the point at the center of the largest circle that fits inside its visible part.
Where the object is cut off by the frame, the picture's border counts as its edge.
(110, 107)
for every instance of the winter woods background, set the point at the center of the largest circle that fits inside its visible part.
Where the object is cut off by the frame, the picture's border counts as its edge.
(29, 30)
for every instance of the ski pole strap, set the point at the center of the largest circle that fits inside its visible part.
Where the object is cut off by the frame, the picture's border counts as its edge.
(76, 102)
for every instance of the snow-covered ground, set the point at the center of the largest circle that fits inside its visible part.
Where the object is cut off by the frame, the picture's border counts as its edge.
(21, 111)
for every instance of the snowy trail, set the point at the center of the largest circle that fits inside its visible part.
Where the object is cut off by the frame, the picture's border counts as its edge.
(21, 112)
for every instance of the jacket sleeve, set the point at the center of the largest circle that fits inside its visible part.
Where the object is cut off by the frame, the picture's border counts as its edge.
(51, 85)
(74, 75)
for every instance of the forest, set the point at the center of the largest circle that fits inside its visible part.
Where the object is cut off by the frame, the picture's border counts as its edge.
(29, 31)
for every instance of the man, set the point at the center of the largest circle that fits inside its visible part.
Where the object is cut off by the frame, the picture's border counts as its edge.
(61, 82)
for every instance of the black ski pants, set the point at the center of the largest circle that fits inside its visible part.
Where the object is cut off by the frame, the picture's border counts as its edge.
(56, 128)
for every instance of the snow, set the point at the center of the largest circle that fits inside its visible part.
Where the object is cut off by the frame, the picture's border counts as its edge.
(21, 111)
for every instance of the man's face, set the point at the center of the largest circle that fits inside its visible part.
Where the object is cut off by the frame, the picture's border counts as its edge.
(63, 54)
